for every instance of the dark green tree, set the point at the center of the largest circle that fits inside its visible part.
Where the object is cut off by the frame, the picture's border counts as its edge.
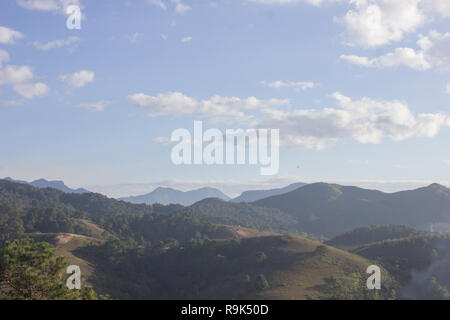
(32, 271)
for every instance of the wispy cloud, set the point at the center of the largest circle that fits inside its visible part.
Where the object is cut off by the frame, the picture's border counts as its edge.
(180, 7)
(48, 5)
(299, 85)
(71, 42)
(95, 106)
(186, 39)
(158, 3)
(135, 37)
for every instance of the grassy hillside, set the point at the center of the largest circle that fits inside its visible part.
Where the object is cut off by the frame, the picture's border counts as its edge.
(66, 244)
(264, 267)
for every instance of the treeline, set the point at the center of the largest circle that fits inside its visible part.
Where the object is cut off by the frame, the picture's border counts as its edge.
(23, 197)
(15, 223)
(245, 215)
(155, 227)
(365, 235)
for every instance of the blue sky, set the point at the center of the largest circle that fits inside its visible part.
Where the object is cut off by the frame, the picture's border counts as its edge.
(359, 89)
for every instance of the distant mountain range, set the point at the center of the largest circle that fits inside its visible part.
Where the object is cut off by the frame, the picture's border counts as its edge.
(254, 195)
(172, 196)
(42, 183)
(331, 209)
(319, 209)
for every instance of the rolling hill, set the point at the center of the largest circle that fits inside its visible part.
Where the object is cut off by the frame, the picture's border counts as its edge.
(167, 196)
(247, 215)
(420, 263)
(24, 196)
(367, 235)
(330, 209)
(261, 267)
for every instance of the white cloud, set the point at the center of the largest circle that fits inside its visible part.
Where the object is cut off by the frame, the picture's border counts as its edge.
(433, 53)
(299, 85)
(72, 42)
(20, 78)
(373, 23)
(165, 104)
(42, 5)
(78, 79)
(95, 106)
(15, 75)
(217, 108)
(186, 39)
(180, 7)
(441, 7)
(30, 90)
(447, 162)
(9, 36)
(48, 5)
(158, 3)
(365, 121)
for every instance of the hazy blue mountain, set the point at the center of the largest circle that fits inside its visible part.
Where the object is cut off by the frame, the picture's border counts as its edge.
(172, 196)
(16, 181)
(254, 195)
(42, 183)
(330, 209)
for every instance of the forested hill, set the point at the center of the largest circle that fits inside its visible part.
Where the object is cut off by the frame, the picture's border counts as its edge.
(130, 254)
(365, 235)
(331, 209)
(98, 207)
(22, 196)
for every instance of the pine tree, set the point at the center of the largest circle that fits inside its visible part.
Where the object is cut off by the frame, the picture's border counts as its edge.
(32, 271)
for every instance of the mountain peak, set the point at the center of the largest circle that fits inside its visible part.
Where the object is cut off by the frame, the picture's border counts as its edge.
(43, 183)
(437, 187)
(165, 196)
(255, 195)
